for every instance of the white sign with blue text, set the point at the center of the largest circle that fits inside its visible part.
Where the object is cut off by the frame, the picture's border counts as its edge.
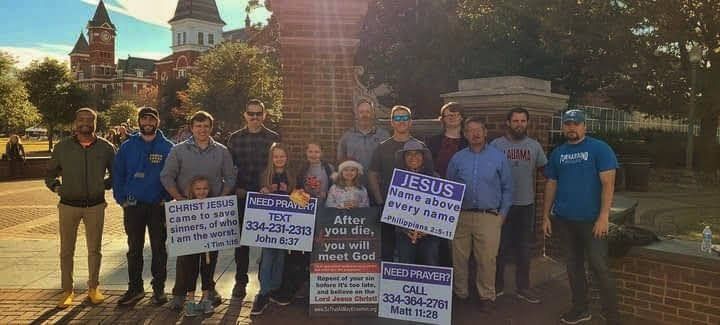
(202, 225)
(416, 293)
(423, 203)
(275, 221)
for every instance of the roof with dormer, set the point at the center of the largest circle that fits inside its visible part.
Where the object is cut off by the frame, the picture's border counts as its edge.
(81, 46)
(101, 17)
(131, 64)
(205, 10)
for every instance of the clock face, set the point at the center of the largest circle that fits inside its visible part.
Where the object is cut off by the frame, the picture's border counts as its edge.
(105, 36)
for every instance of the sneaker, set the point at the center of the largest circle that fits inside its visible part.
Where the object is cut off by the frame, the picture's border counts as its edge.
(177, 303)
(261, 302)
(192, 309)
(527, 297)
(214, 297)
(159, 298)
(206, 306)
(239, 291)
(96, 297)
(66, 299)
(131, 296)
(279, 298)
(575, 316)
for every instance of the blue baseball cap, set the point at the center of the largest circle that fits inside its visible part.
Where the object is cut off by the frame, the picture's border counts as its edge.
(573, 115)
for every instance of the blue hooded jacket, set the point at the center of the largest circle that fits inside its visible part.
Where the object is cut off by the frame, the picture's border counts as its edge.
(137, 166)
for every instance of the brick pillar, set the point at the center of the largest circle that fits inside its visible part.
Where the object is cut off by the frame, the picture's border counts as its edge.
(318, 40)
(493, 97)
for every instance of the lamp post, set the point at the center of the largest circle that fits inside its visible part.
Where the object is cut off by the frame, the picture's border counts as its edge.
(694, 56)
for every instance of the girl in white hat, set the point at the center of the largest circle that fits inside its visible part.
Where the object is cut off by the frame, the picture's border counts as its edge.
(346, 192)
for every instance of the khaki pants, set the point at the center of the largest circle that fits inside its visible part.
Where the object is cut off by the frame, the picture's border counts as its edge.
(93, 218)
(478, 233)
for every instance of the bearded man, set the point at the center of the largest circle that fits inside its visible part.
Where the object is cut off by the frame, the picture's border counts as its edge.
(137, 188)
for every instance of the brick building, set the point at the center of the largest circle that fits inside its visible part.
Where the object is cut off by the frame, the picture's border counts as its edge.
(196, 27)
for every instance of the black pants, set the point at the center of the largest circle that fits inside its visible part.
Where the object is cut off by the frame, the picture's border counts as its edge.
(582, 245)
(135, 219)
(296, 271)
(189, 266)
(242, 253)
(517, 235)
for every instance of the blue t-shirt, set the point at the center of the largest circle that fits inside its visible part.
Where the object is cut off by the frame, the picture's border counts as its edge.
(576, 168)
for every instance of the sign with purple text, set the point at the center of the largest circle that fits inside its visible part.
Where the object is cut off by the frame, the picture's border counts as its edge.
(416, 293)
(275, 221)
(423, 203)
(202, 225)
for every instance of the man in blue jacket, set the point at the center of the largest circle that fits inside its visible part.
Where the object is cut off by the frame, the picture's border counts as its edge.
(138, 190)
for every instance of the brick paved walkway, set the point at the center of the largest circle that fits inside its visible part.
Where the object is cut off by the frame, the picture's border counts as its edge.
(29, 278)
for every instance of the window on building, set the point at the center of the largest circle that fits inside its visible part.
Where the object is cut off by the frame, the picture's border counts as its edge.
(184, 37)
(211, 38)
(181, 73)
(179, 39)
(139, 73)
(201, 40)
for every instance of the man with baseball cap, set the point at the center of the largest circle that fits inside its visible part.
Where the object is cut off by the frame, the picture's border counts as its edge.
(579, 191)
(137, 188)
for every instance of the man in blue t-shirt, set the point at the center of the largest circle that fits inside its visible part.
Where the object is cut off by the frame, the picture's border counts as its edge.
(580, 184)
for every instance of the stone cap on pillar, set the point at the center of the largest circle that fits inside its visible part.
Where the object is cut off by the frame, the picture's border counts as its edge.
(498, 94)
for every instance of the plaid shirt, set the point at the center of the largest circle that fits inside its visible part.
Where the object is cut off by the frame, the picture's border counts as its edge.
(250, 153)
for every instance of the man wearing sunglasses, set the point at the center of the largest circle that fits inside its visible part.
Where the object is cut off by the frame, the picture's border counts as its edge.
(381, 169)
(249, 148)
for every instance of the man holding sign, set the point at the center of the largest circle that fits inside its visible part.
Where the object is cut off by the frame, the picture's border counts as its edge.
(198, 156)
(486, 174)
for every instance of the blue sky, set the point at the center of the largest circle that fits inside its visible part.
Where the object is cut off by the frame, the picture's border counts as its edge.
(32, 29)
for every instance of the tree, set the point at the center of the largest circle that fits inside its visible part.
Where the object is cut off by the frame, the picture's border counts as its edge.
(16, 112)
(227, 76)
(52, 90)
(121, 112)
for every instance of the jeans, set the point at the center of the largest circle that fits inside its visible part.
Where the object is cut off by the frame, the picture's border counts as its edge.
(387, 241)
(296, 271)
(582, 244)
(272, 263)
(187, 269)
(517, 236)
(242, 253)
(425, 251)
(136, 219)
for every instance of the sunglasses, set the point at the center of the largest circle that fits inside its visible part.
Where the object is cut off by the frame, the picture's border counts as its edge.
(254, 113)
(401, 118)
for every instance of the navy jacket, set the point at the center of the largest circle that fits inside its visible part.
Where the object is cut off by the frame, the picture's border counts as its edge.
(137, 166)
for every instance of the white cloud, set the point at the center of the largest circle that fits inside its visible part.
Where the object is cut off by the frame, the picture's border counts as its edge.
(156, 12)
(25, 55)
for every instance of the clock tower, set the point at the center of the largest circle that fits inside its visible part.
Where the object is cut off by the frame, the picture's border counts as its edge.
(101, 43)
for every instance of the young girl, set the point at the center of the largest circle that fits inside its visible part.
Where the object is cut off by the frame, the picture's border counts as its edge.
(276, 179)
(412, 246)
(314, 175)
(347, 193)
(188, 267)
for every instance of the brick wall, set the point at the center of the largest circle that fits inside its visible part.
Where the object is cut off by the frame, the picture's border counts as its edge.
(318, 40)
(663, 291)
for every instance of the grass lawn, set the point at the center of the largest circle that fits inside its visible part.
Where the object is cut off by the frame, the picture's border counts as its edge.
(32, 147)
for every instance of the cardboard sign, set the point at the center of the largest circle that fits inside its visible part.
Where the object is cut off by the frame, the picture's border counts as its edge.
(416, 293)
(345, 264)
(274, 221)
(196, 226)
(424, 203)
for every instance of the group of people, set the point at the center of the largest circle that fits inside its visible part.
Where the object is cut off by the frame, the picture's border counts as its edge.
(497, 217)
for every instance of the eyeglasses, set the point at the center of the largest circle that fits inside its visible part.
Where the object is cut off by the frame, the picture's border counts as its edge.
(254, 113)
(401, 118)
